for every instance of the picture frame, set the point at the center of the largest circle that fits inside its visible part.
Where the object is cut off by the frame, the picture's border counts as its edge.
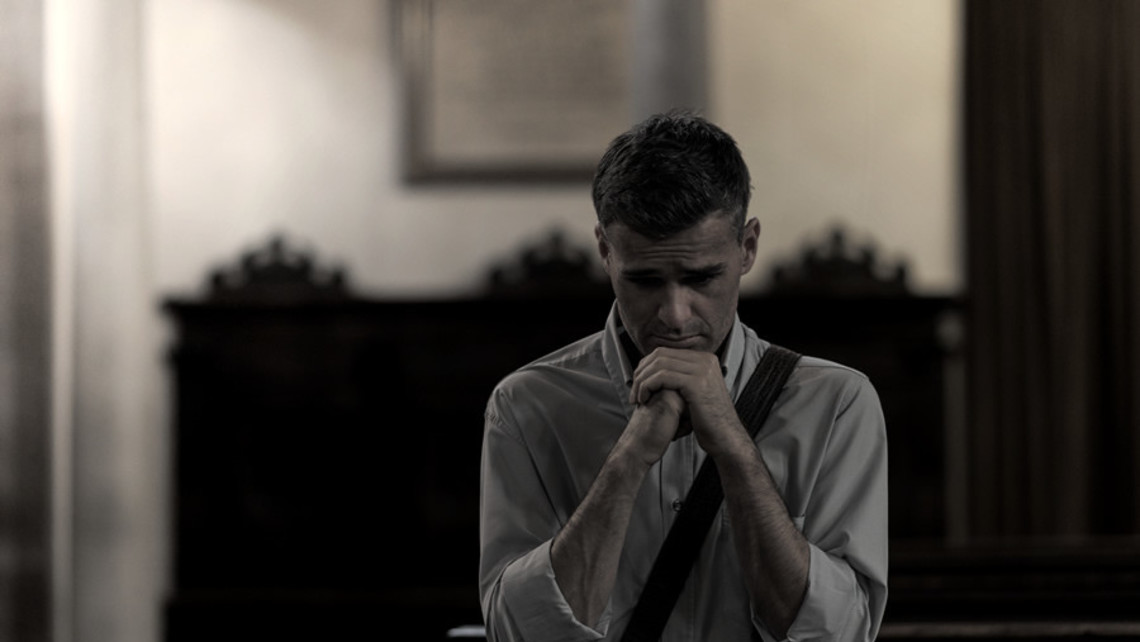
(513, 90)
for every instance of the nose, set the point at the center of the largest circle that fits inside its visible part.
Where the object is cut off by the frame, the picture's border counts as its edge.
(675, 310)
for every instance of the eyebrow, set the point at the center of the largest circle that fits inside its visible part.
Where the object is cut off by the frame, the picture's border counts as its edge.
(705, 270)
(708, 270)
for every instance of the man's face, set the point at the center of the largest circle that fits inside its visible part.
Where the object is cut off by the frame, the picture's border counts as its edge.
(682, 291)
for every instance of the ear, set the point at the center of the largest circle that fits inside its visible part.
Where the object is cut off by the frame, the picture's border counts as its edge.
(749, 243)
(604, 249)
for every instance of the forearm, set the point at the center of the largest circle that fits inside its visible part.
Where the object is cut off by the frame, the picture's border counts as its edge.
(585, 553)
(774, 555)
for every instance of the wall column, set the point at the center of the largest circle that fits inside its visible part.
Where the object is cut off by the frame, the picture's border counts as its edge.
(111, 434)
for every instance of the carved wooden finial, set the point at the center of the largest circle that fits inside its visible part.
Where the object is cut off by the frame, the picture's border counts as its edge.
(550, 267)
(276, 272)
(835, 268)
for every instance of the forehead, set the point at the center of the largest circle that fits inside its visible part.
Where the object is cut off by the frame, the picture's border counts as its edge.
(711, 241)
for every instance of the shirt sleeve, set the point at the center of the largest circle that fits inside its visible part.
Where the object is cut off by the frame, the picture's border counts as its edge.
(520, 597)
(846, 527)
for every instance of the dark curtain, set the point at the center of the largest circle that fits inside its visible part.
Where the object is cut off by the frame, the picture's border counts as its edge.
(25, 563)
(1052, 144)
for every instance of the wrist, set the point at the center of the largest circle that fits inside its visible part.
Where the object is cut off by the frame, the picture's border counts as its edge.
(630, 457)
(646, 437)
(731, 443)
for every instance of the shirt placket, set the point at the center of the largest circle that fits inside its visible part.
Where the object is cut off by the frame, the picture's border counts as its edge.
(676, 474)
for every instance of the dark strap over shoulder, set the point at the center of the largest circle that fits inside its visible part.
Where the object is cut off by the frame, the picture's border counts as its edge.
(677, 554)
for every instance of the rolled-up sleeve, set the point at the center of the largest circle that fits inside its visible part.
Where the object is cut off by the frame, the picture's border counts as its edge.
(846, 527)
(520, 597)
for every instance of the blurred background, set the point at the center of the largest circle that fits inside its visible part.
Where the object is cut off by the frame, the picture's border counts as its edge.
(245, 244)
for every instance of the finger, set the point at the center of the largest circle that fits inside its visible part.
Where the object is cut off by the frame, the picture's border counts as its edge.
(677, 363)
(659, 380)
(688, 370)
(639, 391)
(644, 370)
(663, 355)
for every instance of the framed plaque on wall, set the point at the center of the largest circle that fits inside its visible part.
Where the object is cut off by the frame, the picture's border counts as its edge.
(514, 89)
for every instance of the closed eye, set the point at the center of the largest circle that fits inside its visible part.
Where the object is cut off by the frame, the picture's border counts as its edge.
(693, 278)
(644, 281)
(701, 278)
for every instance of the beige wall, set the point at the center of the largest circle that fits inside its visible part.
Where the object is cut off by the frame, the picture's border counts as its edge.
(848, 111)
(184, 131)
(285, 115)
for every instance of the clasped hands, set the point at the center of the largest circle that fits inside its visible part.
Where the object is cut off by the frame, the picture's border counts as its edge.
(674, 389)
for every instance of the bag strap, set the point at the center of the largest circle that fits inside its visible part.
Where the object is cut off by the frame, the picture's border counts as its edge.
(683, 543)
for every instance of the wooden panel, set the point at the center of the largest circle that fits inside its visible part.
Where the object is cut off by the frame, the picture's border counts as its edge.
(334, 446)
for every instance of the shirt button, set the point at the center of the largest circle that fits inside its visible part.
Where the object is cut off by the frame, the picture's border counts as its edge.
(677, 504)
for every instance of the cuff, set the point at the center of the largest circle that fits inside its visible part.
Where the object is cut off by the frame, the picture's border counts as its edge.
(830, 605)
(537, 605)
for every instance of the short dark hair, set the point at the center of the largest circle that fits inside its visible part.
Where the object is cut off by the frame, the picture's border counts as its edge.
(667, 173)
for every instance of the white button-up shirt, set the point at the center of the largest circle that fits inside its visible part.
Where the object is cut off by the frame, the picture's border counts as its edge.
(551, 424)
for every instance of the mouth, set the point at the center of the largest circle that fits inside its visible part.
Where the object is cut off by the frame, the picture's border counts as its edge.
(680, 343)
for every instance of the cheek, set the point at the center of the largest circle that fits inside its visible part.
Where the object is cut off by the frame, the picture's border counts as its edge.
(634, 304)
(718, 307)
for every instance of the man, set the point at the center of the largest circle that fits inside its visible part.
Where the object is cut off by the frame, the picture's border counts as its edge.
(589, 451)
